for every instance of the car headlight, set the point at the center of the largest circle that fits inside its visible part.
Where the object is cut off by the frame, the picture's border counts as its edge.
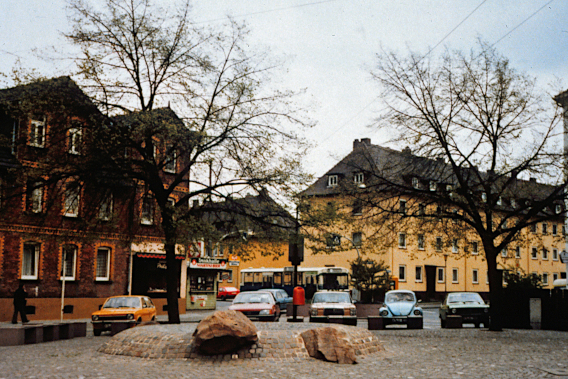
(454, 311)
(265, 312)
(417, 312)
(130, 316)
(95, 317)
(353, 311)
(384, 313)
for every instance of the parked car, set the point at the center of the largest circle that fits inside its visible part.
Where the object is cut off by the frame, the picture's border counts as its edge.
(469, 305)
(282, 298)
(257, 305)
(400, 308)
(227, 293)
(333, 304)
(125, 309)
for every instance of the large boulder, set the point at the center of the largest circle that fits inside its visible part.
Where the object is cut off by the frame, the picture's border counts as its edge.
(224, 332)
(330, 344)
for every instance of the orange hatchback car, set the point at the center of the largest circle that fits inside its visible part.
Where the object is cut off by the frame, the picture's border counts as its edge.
(125, 309)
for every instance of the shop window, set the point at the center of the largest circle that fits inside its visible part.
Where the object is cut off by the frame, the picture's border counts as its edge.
(103, 264)
(30, 261)
(202, 282)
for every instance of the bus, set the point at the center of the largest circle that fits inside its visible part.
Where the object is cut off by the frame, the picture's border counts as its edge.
(312, 279)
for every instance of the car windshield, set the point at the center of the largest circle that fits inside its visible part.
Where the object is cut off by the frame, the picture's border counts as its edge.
(399, 296)
(465, 298)
(122, 302)
(331, 297)
(252, 298)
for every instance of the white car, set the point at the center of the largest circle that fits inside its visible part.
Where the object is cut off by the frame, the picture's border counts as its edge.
(328, 305)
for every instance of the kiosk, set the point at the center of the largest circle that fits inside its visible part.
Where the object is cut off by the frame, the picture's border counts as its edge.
(202, 283)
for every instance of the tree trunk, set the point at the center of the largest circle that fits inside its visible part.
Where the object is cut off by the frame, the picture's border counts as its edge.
(495, 290)
(172, 275)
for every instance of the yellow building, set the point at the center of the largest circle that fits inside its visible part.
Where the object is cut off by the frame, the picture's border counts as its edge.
(430, 258)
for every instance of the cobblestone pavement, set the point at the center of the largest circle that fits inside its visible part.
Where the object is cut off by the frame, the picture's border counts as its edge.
(458, 353)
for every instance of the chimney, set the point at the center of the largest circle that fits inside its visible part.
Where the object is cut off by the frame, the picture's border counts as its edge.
(364, 141)
(407, 150)
(533, 180)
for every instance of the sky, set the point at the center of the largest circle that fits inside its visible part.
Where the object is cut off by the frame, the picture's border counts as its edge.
(331, 46)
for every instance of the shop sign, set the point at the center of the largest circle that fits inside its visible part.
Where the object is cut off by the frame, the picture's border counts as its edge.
(234, 263)
(208, 263)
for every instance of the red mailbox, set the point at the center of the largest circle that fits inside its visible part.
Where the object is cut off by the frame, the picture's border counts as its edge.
(299, 296)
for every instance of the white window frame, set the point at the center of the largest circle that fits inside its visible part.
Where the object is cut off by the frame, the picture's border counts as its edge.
(332, 180)
(359, 178)
(421, 241)
(544, 254)
(418, 274)
(518, 252)
(147, 211)
(432, 186)
(36, 201)
(73, 263)
(75, 140)
(441, 271)
(357, 238)
(72, 201)
(455, 246)
(402, 240)
(35, 256)
(402, 270)
(534, 253)
(439, 246)
(415, 183)
(554, 229)
(455, 275)
(504, 253)
(100, 251)
(402, 206)
(37, 133)
(545, 278)
(474, 248)
(544, 228)
(171, 163)
(475, 276)
(555, 254)
(558, 208)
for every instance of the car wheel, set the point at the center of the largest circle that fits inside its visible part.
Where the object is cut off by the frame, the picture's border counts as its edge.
(139, 321)
(153, 318)
(97, 332)
(223, 298)
(477, 324)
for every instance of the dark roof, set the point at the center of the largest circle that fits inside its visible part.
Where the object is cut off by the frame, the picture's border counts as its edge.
(158, 115)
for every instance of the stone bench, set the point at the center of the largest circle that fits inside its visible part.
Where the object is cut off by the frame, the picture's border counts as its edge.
(36, 333)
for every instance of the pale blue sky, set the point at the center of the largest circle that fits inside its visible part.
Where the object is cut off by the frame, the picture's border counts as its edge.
(331, 47)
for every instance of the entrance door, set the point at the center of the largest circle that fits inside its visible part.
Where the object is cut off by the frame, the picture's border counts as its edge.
(431, 282)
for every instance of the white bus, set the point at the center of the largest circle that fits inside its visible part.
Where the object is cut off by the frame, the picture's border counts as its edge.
(312, 279)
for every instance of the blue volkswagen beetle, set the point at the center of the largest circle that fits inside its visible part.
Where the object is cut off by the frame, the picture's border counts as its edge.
(400, 308)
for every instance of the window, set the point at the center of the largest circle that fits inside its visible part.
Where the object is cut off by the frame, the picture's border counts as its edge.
(359, 178)
(554, 229)
(171, 161)
(484, 197)
(455, 245)
(475, 276)
(402, 206)
(71, 203)
(30, 261)
(432, 185)
(75, 138)
(35, 191)
(475, 248)
(418, 274)
(558, 208)
(421, 209)
(402, 273)
(533, 228)
(103, 264)
(499, 201)
(357, 207)
(332, 180)
(554, 254)
(438, 243)
(455, 275)
(147, 216)
(545, 278)
(513, 203)
(333, 240)
(504, 253)
(68, 261)
(441, 275)
(105, 210)
(37, 133)
(420, 242)
(545, 253)
(517, 252)
(544, 228)
(402, 240)
(534, 253)
(415, 183)
(357, 239)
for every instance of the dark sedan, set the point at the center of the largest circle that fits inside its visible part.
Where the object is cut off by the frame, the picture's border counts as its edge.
(469, 305)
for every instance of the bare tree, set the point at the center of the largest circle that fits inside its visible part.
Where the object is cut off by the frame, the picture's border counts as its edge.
(234, 134)
(479, 131)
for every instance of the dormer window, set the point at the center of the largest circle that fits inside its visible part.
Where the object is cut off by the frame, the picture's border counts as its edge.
(415, 183)
(558, 208)
(484, 197)
(513, 203)
(499, 201)
(332, 180)
(432, 185)
(37, 133)
(75, 138)
(359, 178)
